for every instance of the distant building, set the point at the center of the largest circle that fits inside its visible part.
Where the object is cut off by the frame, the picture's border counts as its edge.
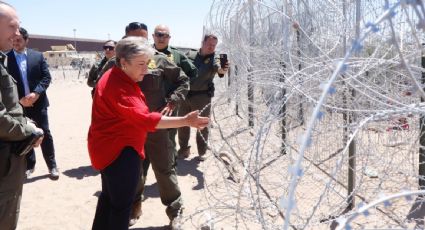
(44, 43)
(63, 56)
(60, 51)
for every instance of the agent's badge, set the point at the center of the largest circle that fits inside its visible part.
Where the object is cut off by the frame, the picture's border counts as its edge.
(170, 58)
(206, 61)
(152, 64)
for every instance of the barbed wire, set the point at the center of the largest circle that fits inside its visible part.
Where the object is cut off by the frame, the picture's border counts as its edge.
(321, 111)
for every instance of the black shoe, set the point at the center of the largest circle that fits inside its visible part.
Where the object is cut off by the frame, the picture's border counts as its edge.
(201, 158)
(136, 212)
(54, 174)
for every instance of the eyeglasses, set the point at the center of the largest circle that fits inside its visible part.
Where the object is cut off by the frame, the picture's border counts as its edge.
(162, 35)
(108, 47)
(135, 26)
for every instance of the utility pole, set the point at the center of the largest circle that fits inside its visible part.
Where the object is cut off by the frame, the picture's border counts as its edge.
(75, 39)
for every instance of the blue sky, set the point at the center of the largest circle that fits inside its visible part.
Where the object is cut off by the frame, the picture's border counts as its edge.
(98, 18)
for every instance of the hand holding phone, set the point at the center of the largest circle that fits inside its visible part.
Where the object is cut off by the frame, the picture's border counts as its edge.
(223, 63)
(223, 60)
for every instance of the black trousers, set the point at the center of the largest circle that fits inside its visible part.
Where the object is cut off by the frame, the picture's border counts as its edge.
(47, 148)
(119, 182)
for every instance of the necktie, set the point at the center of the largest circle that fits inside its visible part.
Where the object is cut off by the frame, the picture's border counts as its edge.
(23, 68)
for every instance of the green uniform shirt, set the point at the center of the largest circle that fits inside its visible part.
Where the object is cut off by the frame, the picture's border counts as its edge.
(207, 66)
(109, 64)
(165, 82)
(94, 72)
(180, 59)
(12, 121)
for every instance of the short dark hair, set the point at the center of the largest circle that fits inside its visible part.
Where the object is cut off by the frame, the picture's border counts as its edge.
(24, 33)
(135, 26)
(208, 36)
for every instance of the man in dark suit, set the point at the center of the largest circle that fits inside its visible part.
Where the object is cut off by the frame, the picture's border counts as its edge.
(30, 70)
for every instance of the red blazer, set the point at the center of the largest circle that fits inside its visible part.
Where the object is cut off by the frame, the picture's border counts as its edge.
(120, 118)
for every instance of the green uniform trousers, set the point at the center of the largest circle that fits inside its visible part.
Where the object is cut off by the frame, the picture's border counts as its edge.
(201, 102)
(172, 135)
(164, 168)
(12, 175)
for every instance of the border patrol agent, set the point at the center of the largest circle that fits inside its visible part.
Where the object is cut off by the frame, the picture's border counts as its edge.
(163, 75)
(161, 39)
(14, 127)
(95, 70)
(200, 94)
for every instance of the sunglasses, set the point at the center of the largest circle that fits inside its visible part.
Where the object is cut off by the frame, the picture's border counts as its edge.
(162, 35)
(108, 47)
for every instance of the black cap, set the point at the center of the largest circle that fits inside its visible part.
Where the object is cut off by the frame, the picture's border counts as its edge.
(135, 26)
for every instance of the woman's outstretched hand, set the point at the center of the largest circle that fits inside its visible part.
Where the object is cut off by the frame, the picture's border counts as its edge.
(194, 120)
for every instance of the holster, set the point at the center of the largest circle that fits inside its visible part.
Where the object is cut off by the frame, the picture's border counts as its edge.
(23, 147)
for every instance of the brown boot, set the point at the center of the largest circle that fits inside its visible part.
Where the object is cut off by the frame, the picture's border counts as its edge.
(183, 153)
(136, 212)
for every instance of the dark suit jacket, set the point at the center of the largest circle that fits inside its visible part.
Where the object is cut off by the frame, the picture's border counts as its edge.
(38, 76)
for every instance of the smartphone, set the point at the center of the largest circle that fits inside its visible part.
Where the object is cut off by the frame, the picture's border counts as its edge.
(223, 60)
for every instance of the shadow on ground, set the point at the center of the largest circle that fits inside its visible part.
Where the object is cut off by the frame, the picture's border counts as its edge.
(36, 178)
(151, 191)
(417, 212)
(185, 168)
(81, 172)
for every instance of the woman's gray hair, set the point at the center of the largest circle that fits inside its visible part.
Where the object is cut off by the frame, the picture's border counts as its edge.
(131, 46)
